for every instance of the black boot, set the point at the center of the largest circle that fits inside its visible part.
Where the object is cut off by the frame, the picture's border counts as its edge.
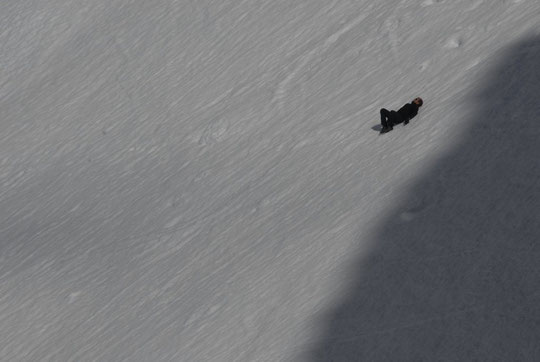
(386, 129)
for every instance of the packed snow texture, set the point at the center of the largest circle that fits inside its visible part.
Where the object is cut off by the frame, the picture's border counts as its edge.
(204, 180)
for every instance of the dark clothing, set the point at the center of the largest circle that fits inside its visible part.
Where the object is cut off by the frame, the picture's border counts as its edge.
(404, 114)
(389, 118)
(408, 111)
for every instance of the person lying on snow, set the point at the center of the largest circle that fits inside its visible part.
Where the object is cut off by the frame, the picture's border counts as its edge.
(403, 115)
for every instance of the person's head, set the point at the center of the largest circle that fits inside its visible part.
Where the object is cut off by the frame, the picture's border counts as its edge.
(418, 101)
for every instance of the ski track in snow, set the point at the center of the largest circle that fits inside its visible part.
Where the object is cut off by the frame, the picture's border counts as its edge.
(318, 51)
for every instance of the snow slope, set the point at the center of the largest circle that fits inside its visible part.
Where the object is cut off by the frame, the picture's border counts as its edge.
(203, 180)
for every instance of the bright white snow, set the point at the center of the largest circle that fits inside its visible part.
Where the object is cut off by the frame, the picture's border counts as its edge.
(203, 180)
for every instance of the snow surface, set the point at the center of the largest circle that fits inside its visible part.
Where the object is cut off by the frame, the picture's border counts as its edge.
(204, 180)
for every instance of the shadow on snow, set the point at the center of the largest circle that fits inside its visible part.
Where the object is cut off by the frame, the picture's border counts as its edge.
(455, 271)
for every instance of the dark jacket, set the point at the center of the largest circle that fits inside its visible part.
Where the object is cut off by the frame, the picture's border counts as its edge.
(407, 112)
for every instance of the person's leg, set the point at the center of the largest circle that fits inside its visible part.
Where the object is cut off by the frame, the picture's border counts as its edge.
(386, 119)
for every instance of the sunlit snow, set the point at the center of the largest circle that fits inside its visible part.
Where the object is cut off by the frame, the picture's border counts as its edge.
(203, 180)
